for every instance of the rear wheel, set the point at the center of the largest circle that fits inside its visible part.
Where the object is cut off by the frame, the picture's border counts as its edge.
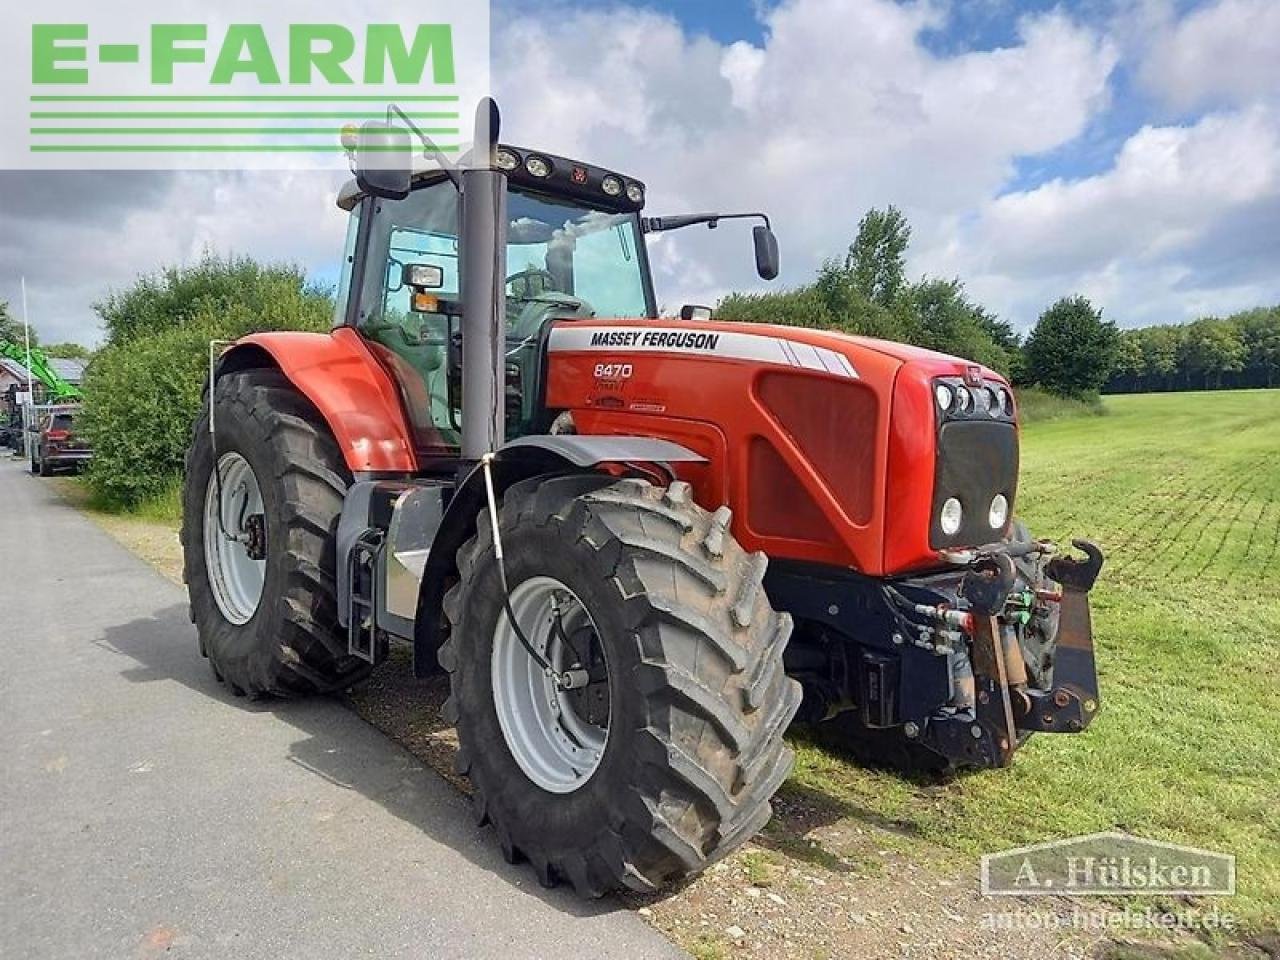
(259, 540)
(662, 754)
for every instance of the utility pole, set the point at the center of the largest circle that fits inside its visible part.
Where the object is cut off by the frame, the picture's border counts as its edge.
(31, 390)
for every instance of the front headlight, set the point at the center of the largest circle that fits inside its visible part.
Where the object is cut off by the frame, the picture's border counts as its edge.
(999, 512)
(964, 399)
(943, 395)
(951, 516)
(993, 402)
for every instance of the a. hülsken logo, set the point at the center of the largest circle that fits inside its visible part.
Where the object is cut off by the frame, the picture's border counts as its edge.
(1108, 863)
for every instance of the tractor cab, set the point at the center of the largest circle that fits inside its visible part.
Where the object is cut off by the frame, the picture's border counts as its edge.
(574, 250)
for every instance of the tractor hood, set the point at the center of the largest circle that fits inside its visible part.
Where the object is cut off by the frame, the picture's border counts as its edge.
(829, 448)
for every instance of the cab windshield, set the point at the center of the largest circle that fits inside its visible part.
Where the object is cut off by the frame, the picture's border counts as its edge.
(560, 248)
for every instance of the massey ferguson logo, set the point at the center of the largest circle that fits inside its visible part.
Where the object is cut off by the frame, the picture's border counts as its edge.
(656, 339)
(973, 376)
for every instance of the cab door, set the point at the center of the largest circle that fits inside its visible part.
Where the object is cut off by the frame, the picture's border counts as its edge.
(414, 343)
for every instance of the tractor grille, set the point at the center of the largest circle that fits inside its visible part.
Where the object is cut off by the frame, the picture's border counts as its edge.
(835, 423)
(976, 460)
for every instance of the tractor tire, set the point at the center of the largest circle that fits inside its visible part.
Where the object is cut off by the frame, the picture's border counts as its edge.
(697, 696)
(291, 644)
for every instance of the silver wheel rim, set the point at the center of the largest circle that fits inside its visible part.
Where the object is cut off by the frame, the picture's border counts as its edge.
(551, 732)
(237, 577)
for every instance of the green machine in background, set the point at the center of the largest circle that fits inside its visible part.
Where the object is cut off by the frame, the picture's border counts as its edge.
(56, 389)
(49, 387)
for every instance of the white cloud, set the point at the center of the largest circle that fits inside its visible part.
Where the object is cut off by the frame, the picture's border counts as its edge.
(1131, 237)
(842, 107)
(1227, 52)
(83, 239)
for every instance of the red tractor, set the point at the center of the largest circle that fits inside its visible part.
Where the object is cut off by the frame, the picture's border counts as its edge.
(638, 546)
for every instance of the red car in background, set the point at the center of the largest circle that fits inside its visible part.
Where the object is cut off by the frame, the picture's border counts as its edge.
(57, 447)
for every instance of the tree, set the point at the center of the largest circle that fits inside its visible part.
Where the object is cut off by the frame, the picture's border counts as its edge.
(1260, 334)
(947, 321)
(1072, 349)
(69, 349)
(1211, 348)
(11, 327)
(876, 260)
(866, 293)
(1161, 349)
(1130, 364)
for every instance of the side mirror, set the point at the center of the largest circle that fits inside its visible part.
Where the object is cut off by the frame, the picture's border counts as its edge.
(695, 311)
(766, 252)
(383, 160)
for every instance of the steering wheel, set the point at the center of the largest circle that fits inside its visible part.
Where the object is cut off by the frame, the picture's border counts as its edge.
(527, 277)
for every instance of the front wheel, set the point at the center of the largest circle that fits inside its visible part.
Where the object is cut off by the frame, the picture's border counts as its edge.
(662, 751)
(258, 540)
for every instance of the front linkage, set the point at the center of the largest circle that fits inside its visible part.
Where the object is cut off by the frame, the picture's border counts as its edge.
(967, 662)
(1025, 611)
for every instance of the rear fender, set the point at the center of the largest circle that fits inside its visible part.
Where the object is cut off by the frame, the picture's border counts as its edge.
(519, 460)
(344, 381)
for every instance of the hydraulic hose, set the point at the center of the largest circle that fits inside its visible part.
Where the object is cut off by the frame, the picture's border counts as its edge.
(486, 464)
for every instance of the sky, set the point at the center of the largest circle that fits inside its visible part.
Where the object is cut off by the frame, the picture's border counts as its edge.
(1127, 150)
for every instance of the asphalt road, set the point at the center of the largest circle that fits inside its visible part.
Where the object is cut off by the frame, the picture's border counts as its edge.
(146, 812)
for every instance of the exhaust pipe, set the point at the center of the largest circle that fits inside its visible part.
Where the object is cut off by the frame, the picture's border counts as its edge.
(483, 279)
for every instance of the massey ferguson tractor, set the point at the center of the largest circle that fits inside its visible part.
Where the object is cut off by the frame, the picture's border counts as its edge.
(637, 545)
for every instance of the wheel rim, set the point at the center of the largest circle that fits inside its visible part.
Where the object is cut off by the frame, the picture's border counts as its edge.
(557, 736)
(237, 565)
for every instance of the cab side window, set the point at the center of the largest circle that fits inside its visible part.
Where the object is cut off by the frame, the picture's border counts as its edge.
(421, 229)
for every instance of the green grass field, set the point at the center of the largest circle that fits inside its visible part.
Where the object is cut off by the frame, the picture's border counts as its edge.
(1183, 493)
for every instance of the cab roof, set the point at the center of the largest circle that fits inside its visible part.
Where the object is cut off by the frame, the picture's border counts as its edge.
(564, 177)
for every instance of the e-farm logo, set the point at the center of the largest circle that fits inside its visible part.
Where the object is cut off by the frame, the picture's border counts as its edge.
(215, 90)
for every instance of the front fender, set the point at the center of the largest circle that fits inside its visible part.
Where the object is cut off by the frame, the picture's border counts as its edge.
(518, 460)
(341, 377)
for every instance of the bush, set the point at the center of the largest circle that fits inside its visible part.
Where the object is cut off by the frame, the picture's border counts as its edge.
(210, 287)
(142, 394)
(1036, 405)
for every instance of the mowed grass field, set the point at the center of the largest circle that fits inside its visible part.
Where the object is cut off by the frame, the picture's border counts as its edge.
(1182, 491)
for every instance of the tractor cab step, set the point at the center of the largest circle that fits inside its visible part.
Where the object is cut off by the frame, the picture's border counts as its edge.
(363, 639)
